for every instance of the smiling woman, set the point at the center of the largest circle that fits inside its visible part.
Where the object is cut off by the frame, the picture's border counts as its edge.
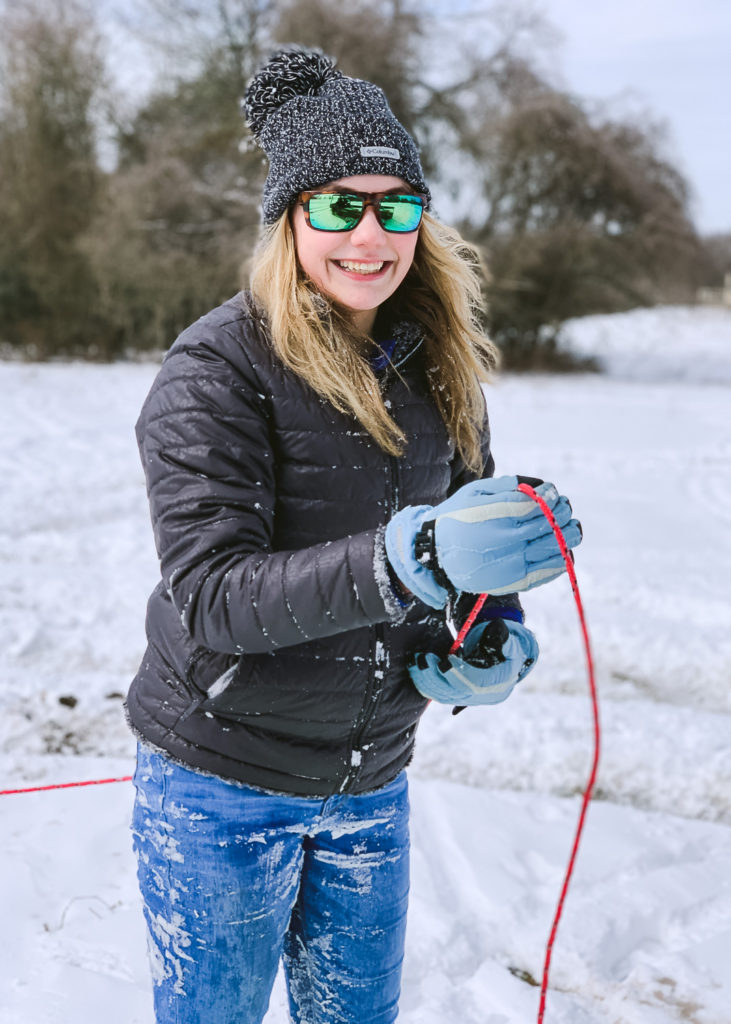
(298, 442)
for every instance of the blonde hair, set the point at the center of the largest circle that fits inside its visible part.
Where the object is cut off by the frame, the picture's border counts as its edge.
(441, 293)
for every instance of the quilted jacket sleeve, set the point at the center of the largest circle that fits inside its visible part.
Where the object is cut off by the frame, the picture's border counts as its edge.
(205, 444)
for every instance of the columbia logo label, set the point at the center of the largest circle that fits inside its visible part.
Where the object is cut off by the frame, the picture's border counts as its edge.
(385, 151)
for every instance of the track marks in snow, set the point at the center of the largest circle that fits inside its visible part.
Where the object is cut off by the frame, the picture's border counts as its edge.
(649, 907)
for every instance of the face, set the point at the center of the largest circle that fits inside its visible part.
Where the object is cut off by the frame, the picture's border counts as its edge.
(361, 268)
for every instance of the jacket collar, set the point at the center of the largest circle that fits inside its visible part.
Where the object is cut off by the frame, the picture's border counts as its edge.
(407, 335)
(404, 337)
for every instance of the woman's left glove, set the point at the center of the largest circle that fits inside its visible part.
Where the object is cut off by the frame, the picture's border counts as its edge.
(495, 656)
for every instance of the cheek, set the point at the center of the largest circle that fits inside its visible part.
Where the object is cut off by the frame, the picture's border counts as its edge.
(406, 247)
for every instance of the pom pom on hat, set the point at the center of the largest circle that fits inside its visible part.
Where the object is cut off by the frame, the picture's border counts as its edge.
(288, 73)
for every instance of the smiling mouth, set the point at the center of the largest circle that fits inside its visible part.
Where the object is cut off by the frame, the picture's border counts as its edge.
(357, 267)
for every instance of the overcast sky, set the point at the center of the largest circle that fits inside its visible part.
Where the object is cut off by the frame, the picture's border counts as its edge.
(675, 57)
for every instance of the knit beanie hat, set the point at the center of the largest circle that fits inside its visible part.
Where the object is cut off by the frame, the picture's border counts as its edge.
(317, 125)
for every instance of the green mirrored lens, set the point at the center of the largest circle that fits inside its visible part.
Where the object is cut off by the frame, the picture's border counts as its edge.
(335, 211)
(342, 211)
(401, 213)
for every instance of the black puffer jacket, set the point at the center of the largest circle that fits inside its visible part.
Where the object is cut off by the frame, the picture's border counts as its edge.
(277, 650)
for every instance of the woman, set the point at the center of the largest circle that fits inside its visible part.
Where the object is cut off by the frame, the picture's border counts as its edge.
(301, 443)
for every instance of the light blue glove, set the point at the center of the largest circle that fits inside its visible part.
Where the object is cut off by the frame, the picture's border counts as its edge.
(488, 537)
(465, 680)
(417, 576)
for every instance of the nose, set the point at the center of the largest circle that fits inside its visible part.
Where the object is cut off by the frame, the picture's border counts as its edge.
(368, 231)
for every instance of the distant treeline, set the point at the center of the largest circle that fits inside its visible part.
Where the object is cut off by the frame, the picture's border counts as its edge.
(576, 210)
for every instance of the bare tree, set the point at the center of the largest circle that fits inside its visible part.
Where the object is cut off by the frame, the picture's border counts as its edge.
(716, 264)
(49, 179)
(582, 216)
(182, 208)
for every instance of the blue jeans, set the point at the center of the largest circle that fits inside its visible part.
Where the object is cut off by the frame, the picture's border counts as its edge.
(233, 879)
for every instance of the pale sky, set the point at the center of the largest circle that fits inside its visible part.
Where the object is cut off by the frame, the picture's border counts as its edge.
(675, 58)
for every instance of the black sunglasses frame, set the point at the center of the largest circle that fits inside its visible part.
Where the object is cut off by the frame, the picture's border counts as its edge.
(373, 199)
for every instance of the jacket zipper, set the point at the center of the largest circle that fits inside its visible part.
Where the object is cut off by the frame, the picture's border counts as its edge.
(379, 655)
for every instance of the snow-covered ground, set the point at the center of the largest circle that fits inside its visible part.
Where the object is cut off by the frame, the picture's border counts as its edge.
(645, 454)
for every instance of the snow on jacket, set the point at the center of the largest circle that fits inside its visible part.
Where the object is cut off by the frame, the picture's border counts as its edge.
(277, 651)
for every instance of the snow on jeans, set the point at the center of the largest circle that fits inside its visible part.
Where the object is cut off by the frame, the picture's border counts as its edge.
(233, 878)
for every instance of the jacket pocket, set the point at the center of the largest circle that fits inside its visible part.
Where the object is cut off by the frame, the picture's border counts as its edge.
(208, 674)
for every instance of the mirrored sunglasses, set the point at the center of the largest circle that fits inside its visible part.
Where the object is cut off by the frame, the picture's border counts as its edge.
(343, 211)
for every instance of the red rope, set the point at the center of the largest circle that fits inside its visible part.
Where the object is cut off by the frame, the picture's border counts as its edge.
(527, 489)
(64, 785)
(597, 739)
(459, 639)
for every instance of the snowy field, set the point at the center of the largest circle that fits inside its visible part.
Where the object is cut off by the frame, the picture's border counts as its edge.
(645, 454)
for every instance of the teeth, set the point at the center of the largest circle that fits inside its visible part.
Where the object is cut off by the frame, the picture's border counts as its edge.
(361, 268)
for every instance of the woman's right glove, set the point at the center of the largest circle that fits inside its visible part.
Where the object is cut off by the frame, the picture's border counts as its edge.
(489, 537)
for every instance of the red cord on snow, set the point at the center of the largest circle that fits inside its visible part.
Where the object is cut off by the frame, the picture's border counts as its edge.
(526, 489)
(64, 785)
